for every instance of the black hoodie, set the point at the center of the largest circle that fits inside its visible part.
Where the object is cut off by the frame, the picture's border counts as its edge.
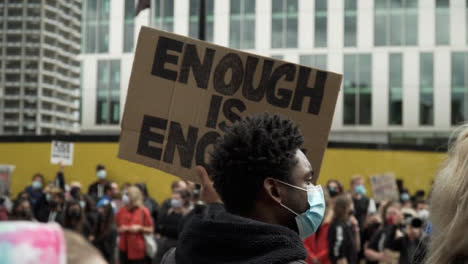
(217, 236)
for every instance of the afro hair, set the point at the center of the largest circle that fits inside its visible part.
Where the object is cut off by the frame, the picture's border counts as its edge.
(253, 149)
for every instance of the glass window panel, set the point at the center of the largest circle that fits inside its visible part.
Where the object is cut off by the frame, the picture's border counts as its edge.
(426, 109)
(249, 6)
(115, 105)
(350, 4)
(380, 31)
(458, 70)
(234, 34)
(412, 29)
(292, 6)
(395, 85)
(277, 6)
(459, 108)
(350, 31)
(350, 72)
(380, 4)
(395, 71)
(129, 25)
(365, 80)
(426, 81)
(442, 3)
(195, 7)
(365, 108)
(103, 38)
(115, 75)
(248, 41)
(320, 31)
(209, 31)
(349, 115)
(321, 61)
(442, 24)
(306, 60)
(277, 33)
(395, 3)
(291, 33)
(168, 8)
(396, 24)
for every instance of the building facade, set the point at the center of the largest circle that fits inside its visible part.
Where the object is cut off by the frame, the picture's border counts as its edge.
(39, 66)
(405, 62)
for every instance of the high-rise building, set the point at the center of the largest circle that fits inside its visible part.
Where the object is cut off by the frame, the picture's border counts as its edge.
(39, 66)
(405, 62)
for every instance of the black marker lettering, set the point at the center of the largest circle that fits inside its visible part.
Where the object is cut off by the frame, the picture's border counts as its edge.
(161, 57)
(315, 93)
(146, 136)
(229, 61)
(201, 72)
(284, 95)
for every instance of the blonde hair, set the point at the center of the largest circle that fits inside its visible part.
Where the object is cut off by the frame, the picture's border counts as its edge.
(449, 204)
(135, 196)
(356, 178)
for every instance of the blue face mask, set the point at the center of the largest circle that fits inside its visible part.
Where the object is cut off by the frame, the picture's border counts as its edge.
(36, 185)
(101, 174)
(359, 189)
(309, 221)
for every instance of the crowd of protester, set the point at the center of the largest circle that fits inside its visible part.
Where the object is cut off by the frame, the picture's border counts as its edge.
(114, 219)
(231, 221)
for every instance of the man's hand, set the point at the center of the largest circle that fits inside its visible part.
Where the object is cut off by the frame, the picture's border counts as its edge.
(208, 193)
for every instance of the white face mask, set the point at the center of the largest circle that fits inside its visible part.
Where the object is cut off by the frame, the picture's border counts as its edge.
(125, 199)
(101, 174)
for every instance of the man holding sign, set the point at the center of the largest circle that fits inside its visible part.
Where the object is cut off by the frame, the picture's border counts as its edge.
(188, 96)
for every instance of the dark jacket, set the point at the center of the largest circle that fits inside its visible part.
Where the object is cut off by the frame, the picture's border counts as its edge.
(60, 180)
(341, 243)
(34, 195)
(411, 252)
(216, 236)
(42, 211)
(107, 245)
(93, 191)
(153, 208)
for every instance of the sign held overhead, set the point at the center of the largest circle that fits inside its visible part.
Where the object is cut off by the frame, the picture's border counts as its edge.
(184, 93)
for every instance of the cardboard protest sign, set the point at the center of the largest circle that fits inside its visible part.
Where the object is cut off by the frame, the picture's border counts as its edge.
(61, 152)
(5, 174)
(384, 187)
(184, 93)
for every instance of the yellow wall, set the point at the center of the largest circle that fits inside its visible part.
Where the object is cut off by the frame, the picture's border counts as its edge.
(415, 167)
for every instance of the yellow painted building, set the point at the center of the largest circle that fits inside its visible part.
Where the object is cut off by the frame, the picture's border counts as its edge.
(416, 168)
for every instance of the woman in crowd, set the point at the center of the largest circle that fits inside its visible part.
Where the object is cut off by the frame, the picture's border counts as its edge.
(22, 210)
(133, 221)
(105, 235)
(449, 204)
(343, 234)
(74, 219)
(34, 191)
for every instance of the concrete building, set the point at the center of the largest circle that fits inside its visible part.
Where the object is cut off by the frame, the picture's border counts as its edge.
(405, 62)
(39, 67)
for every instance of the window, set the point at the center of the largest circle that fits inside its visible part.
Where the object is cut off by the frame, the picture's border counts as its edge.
(95, 26)
(396, 22)
(209, 19)
(395, 89)
(164, 14)
(442, 22)
(129, 26)
(426, 89)
(108, 92)
(242, 25)
(357, 89)
(350, 23)
(459, 87)
(284, 24)
(316, 61)
(320, 23)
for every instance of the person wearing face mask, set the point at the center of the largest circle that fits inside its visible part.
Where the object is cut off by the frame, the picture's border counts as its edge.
(22, 211)
(374, 249)
(168, 226)
(343, 235)
(35, 190)
(334, 189)
(96, 190)
(49, 208)
(75, 220)
(133, 221)
(269, 203)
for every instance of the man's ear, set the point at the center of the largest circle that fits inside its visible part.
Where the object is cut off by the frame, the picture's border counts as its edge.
(272, 190)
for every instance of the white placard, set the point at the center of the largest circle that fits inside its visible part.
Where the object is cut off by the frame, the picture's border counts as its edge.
(61, 152)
